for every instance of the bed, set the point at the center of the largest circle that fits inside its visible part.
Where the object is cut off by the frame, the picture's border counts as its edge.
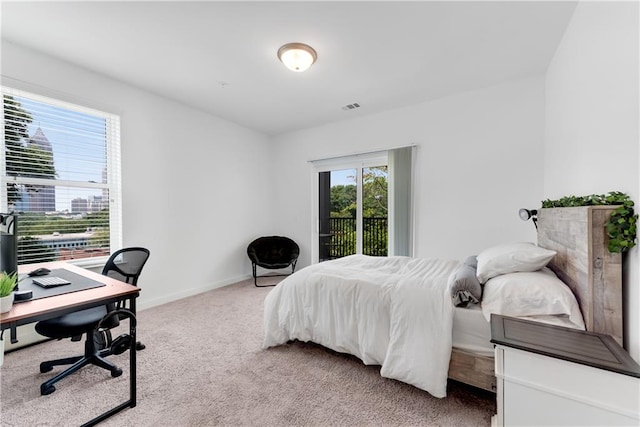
(397, 312)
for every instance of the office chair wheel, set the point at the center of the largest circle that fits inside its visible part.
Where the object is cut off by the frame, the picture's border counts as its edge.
(140, 346)
(44, 390)
(45, 368)
(116, 372)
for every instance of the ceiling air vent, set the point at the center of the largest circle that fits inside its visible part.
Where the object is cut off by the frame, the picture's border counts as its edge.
(351, 106)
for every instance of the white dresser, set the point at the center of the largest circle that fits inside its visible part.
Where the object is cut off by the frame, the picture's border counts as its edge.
(554, 376)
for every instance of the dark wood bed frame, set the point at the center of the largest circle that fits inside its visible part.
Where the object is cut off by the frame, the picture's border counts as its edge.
(584, 263)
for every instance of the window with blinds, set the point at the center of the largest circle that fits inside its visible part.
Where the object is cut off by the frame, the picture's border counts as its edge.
(61, 175)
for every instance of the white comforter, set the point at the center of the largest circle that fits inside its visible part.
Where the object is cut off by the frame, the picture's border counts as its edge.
(395, 312)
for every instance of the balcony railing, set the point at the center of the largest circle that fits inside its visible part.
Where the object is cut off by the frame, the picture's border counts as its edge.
(341, 240)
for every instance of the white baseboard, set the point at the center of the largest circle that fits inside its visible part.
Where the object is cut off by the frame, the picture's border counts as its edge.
(164, 299)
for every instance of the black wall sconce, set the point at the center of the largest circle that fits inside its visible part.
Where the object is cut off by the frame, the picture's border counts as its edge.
(526, 214)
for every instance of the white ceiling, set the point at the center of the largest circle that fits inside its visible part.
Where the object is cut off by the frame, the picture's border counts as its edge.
(220, 57)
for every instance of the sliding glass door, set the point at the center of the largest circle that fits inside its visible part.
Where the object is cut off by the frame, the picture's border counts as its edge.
(363, 204)
(353, 210)
(337, 214)
(375, 210)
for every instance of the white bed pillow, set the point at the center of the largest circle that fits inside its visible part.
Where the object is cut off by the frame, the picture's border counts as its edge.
(511, 258)
(535, 293)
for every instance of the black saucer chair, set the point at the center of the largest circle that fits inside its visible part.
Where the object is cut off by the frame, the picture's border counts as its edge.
(272, 252)
(125, 265)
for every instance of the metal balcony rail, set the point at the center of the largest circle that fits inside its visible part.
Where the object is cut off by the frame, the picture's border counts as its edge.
(342, 239)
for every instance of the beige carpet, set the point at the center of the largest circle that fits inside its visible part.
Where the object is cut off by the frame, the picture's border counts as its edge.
(204, 365)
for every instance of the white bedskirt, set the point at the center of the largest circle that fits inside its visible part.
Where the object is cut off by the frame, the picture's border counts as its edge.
(390, 311)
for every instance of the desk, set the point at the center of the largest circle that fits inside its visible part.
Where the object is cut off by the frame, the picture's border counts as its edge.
(47, 308)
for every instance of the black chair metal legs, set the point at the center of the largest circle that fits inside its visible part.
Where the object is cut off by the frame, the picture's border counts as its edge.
(255, 274)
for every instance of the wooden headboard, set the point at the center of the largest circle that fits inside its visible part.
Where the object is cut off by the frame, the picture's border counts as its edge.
(585, 264)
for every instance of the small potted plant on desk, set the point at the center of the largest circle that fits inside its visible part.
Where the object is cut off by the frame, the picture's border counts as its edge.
(8, 282)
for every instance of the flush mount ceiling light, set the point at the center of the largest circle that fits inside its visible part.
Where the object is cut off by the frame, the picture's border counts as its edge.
(297, 56)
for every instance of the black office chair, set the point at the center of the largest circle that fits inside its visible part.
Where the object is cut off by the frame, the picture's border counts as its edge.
(272, 252)
(125, 265)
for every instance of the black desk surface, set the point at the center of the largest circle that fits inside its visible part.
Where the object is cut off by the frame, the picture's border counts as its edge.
(586, 348)
(78, 283)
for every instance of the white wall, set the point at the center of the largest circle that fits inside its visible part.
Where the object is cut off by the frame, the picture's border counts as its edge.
(479, 160)
(592, 134)
(195, 187)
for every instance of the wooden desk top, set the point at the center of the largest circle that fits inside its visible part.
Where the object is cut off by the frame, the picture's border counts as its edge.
(28, 309)
(574, 345)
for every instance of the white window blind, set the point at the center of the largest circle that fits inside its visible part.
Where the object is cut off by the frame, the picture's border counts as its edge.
(60, 174)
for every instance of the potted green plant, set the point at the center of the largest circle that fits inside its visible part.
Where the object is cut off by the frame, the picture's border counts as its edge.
(622, 225)
(8, 283)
